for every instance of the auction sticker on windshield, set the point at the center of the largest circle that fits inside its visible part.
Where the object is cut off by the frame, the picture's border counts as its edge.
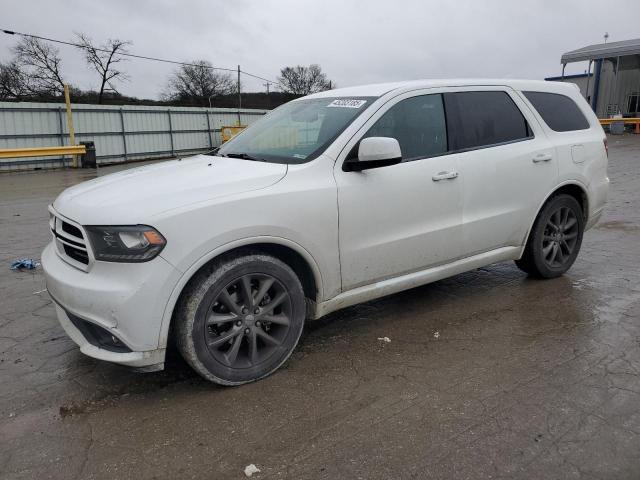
(347, 103)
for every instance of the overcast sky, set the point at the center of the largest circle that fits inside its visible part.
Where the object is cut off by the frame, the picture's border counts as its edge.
(355, 42)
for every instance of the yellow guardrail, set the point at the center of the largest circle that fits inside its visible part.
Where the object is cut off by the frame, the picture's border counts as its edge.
(228, 132)
(607, 121)
(42, 151)
(630, 121)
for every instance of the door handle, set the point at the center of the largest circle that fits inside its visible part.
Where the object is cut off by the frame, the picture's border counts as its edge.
(444, 176)
(543, 157)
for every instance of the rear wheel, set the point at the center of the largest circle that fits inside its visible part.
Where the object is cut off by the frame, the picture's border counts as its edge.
(555, 239)
(239, 320)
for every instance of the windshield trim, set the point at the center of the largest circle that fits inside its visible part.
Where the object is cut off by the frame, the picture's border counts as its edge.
(290, 160)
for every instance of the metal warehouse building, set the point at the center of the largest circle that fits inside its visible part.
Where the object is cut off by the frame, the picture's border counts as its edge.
(611, 83)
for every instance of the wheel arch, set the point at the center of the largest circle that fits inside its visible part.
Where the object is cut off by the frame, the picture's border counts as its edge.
(572, 187)
(289, 252)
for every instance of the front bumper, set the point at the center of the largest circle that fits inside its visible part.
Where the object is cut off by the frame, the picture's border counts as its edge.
(130, 359)
(125, 299)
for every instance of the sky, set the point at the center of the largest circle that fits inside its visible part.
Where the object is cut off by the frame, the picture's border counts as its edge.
(354, 41)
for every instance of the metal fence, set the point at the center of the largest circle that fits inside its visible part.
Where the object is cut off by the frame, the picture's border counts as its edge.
(119, 133)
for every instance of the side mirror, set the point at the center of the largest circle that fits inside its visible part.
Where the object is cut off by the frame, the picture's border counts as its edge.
(374, 152)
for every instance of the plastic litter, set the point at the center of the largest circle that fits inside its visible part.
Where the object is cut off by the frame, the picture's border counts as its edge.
(384, 339)
(25, 263)
(250, 470)
(436, 335)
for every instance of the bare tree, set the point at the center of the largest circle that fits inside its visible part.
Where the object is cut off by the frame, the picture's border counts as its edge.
(41, 63)
(302, 80)
(13, 82)
(104, 60)
(197, 83)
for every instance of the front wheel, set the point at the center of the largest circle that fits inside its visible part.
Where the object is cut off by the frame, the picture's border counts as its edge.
(555, 240)
(241, 318)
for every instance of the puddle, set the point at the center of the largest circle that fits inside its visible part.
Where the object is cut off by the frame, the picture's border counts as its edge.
(618, 225)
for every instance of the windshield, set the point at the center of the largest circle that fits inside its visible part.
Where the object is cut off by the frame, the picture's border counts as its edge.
(296, 132)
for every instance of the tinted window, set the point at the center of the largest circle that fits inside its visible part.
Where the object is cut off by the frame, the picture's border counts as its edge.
(478, 119)
(418, 124)
(558, 111)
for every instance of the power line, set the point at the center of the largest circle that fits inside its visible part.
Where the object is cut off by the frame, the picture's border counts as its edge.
(259, 78)
(143, 57)
(262, 78)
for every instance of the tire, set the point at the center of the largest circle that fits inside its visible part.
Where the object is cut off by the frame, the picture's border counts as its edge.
(231, 337)
(555, 239)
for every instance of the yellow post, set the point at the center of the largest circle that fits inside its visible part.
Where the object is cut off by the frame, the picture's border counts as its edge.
(72, 133)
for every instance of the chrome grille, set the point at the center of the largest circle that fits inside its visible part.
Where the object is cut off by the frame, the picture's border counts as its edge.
(70, 241)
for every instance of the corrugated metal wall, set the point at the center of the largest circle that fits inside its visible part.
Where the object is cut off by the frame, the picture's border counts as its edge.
(119, 133)
(614, 93)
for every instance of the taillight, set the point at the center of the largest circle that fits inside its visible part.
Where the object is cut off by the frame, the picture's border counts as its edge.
(606, 147)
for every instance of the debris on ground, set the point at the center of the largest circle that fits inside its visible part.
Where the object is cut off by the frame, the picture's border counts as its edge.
(384, 339)
(436, 335)
(25, 263)
(250, 470)
(579, 284)
(39, 291)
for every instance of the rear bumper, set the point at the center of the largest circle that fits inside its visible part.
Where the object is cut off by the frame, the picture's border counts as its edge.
(598, 193)
(123, 300)
(594, 218)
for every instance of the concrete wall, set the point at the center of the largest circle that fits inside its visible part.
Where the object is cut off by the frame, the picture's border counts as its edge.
(579, 80)
(119, 133)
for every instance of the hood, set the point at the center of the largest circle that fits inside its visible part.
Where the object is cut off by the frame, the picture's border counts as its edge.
(135, 195)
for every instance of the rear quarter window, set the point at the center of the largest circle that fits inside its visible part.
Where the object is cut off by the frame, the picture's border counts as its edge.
(558, 111)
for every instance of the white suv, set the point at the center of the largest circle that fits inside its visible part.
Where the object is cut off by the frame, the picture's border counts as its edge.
(330, 200)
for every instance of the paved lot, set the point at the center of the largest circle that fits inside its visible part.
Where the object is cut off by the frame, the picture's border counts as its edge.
(488, 375)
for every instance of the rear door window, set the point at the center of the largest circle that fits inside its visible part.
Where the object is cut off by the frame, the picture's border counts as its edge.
(559, 112)
(418, 123)
(481, 119)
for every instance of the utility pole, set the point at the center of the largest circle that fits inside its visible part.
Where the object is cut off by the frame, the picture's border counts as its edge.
(72, 135)
(239, 97)
(268, 99)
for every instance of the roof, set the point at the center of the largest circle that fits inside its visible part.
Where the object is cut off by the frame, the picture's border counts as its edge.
(569, 77)
(603, 50)
(379, 89)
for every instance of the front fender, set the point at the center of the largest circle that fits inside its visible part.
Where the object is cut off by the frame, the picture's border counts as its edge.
(204, 259)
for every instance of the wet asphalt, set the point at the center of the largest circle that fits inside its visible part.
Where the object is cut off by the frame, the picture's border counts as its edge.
(488, 374)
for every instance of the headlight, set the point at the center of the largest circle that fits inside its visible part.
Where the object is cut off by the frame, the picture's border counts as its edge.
(136, 243)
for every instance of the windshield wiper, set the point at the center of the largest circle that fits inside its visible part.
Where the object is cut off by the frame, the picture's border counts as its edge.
(213, 152)
(243, 156)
